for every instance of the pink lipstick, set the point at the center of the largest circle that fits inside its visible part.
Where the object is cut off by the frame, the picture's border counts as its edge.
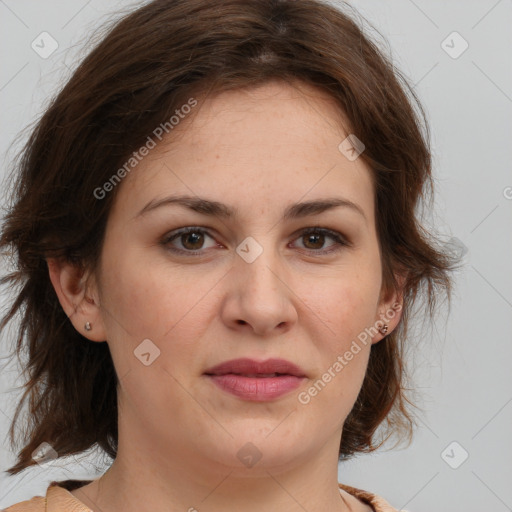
(256, 381)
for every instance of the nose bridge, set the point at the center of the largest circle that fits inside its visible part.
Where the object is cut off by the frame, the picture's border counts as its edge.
(258, 263)
(262, 297)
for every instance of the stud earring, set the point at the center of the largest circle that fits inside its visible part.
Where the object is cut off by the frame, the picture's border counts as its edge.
(87, 326)
(383, 329)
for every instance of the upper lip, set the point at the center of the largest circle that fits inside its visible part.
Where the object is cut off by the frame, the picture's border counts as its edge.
(247, 366)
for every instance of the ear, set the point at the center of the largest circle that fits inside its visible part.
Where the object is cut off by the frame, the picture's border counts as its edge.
(389, 310)
(79, 300)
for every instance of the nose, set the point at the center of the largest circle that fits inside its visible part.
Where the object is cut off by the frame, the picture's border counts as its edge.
(259, 299)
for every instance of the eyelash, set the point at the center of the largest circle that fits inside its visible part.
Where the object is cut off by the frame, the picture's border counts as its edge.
(341, 242)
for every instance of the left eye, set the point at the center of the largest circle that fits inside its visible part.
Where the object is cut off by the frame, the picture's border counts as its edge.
(317, 236)
(192, 240)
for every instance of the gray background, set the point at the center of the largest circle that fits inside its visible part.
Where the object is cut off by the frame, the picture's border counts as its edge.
(462, 364)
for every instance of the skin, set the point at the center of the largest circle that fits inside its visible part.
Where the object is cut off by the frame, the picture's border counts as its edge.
(258, 150)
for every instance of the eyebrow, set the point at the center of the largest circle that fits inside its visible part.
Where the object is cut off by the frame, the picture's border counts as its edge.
(221, 210)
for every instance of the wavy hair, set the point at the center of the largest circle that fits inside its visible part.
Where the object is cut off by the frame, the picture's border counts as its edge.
(143, 69)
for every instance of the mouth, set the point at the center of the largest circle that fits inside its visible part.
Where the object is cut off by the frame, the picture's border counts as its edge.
(256, 381)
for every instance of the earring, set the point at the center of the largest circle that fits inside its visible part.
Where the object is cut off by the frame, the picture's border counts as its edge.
(87, 326)
(383, 329)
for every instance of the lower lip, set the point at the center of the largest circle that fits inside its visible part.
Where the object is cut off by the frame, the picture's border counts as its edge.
(256, 389)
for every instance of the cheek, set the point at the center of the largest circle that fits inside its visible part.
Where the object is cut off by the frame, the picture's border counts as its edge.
(147, 297)
(344, 358)
(157, 301)
(347, 304)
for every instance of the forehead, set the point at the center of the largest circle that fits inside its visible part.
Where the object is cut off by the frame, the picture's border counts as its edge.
(304, 110)
(255, 148)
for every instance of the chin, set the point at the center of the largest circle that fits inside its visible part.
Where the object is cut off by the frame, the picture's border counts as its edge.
(253, 451)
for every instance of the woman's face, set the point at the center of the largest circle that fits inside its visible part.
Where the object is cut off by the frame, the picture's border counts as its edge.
(250, 285)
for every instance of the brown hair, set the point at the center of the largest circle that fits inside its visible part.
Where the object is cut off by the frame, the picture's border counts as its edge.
(146, 67)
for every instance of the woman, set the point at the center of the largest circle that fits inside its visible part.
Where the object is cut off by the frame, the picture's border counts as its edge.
(217, 252)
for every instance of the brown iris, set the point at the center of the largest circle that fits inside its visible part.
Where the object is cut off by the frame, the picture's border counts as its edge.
(195, 238)
(315, 237)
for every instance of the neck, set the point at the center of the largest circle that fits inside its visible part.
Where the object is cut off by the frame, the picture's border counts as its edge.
(143, 477)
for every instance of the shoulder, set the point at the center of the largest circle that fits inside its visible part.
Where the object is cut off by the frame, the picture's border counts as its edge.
(36, 504)
(377, 503)
(57, 499)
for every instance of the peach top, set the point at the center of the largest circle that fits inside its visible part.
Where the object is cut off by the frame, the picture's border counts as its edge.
(59, 499)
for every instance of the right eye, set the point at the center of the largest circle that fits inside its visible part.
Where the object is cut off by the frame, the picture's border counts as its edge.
(190, 238)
